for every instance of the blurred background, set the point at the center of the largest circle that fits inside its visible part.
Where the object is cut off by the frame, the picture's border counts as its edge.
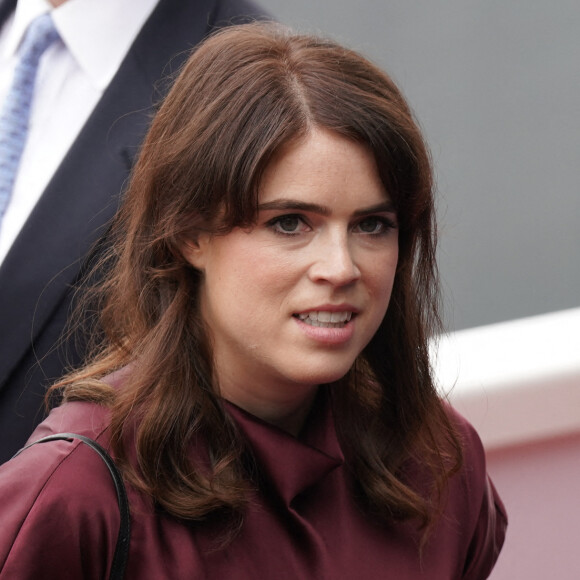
(496, 88)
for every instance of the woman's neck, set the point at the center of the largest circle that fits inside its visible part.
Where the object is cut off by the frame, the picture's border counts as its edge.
(286, 414)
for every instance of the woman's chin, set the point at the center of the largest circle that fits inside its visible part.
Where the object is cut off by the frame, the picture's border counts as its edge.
(322, 377)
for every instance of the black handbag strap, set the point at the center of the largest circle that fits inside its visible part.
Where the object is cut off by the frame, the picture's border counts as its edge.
(123, 539)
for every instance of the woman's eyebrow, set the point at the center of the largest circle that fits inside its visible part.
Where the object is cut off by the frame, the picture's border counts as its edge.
(295, 205)
(384, 207)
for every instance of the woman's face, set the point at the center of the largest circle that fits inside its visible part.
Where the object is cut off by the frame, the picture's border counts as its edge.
(292, 301)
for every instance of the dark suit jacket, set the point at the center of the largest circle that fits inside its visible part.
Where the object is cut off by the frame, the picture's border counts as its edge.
(47, 258)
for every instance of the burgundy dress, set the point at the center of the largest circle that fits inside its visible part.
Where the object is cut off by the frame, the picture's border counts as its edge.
(59, 516)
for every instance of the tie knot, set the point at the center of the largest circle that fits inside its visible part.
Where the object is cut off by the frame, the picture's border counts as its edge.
(40, 35)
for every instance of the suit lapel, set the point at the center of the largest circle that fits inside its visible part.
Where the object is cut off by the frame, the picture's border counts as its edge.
(6, 8)
(76, 206)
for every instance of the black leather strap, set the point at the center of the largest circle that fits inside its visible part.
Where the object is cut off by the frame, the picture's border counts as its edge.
(123, 539)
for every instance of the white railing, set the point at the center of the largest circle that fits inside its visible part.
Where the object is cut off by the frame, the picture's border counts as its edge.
(516, 381)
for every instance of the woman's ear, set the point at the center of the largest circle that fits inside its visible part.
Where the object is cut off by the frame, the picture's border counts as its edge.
(194, 250)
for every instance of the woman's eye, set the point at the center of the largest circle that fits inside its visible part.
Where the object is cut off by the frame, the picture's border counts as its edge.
(287, 224)
(375, 225)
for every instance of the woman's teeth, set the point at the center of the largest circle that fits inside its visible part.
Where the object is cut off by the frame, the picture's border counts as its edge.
(325, 318)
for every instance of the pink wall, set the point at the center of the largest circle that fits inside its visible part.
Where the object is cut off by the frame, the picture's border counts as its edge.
(540, 485)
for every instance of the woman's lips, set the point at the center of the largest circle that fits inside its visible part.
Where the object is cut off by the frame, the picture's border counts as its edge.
(330, 327)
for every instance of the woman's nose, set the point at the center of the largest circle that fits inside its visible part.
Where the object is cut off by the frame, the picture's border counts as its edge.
(334, 262)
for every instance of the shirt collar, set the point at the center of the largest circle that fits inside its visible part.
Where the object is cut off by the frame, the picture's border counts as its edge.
(97, 34)
(26, 11)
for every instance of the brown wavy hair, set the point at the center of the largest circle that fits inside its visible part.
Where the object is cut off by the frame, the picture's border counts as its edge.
(243, 94)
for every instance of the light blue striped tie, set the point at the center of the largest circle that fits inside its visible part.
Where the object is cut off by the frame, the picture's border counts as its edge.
(16, 109)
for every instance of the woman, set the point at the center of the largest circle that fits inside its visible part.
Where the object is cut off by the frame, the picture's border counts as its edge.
(264, 381)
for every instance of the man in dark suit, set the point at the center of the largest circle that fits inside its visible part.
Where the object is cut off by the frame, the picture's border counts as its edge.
(48, 256)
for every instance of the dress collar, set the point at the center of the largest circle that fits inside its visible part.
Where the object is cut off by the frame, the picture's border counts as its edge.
(291, 465)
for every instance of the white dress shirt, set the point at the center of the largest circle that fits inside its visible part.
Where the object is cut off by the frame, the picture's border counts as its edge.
(73, 74)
